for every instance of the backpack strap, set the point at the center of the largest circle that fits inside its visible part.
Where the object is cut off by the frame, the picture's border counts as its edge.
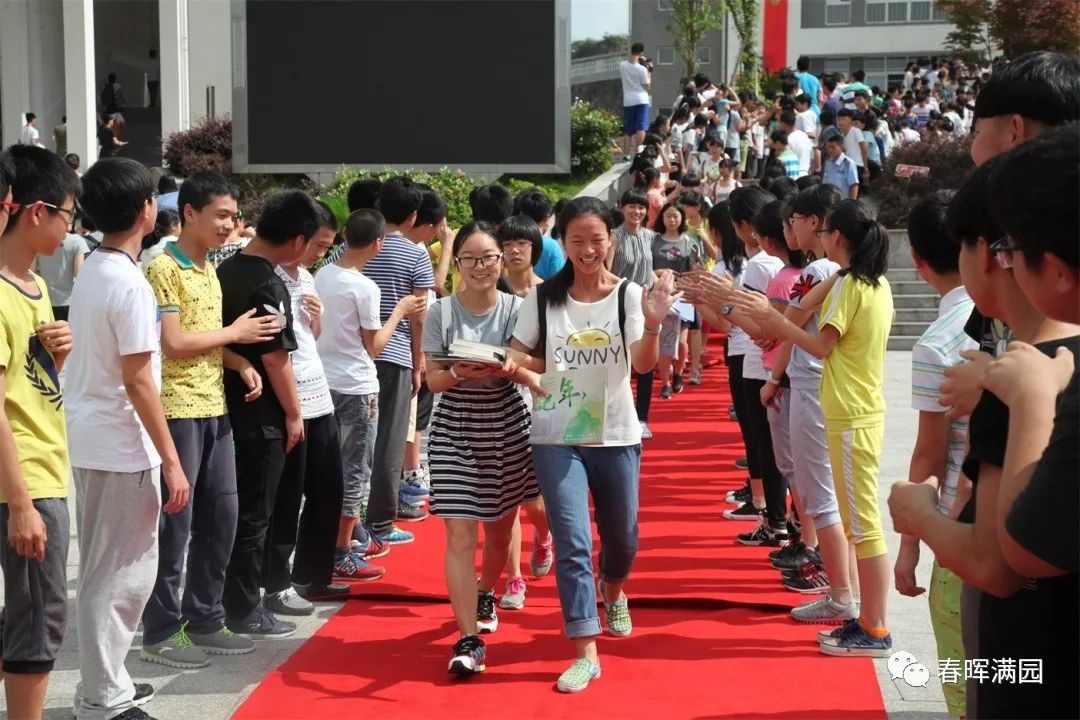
(515, 305)
(447, 319)
(541, 316)
(622, 316)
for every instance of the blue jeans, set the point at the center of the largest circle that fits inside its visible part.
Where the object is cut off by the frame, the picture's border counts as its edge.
(566, 475)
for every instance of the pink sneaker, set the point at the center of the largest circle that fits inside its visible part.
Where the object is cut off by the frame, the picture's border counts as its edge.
(542, 556)
(514, 597)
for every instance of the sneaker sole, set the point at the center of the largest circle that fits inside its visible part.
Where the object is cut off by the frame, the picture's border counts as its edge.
(540, 571)
(460, 669)
(730, 515)
(225, 651)
(820, 621)
(837, 651)
(405, 519)
(613, 633)
(376, 555)
(808, 591)
(373, 578)
(266, 636)
(512, 605)
(159, 660)
(396, 542)
(486, 629)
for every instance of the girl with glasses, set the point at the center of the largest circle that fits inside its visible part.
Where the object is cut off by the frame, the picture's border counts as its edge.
(478, 448)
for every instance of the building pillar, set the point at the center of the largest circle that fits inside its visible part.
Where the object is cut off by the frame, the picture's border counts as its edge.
(14, 67)
(79, 86)
(173, 95)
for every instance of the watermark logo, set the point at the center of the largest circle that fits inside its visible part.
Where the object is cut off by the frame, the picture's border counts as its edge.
(903, 664)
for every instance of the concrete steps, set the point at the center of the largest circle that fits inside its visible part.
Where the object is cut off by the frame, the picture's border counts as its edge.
(914, 301)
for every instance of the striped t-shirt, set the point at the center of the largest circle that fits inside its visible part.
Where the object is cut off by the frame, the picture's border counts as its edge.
(790, 161)
(939, 348)
(400, 268)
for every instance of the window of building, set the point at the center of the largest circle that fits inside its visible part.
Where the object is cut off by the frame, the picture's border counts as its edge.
(837, 65)
(903, 11)
(882, 71)
(665, 55)
(837, 12)
(704, 55)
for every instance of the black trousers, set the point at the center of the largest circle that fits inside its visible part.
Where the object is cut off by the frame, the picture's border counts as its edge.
(395, 395)
(738, 399)
(643, 394)
(312, 472)
(259, 463)
(759, 445)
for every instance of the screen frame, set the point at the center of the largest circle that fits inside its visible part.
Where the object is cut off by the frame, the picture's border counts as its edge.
(560, 107)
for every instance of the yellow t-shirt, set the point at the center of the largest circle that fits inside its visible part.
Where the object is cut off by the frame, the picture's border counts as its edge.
(851, 381)
(435, 250)
(34, 404)
(191, 387)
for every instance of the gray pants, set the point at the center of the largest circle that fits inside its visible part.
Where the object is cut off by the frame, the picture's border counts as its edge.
(205, 448)
(395, 392)
(118, 556)
(358, 420)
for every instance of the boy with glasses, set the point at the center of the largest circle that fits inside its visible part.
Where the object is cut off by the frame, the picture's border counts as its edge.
(34, 523)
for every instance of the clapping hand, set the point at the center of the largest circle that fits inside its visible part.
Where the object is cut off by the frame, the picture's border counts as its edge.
(754, 305)
(658, 299)
(704, 288)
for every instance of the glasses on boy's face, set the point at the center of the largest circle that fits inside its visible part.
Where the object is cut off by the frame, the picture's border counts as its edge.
(1002, 249)
(68, 213)
(468, 263)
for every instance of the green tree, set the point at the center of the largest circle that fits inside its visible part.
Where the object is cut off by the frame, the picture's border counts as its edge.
(590, 47)
(690, 20)
(970, 36)
(1021, 26)
(745, 18)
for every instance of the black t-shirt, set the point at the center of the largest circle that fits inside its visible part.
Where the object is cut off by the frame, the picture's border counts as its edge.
(1040, 620)
(250, 282)
(988, 332)
(106, 137)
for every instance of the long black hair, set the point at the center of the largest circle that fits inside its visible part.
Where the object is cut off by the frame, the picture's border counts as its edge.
(769, 222)
(867, 241)
(746, 201)
(816, 200)
(166, 219)
(557, 288)
(732, 249)
(660, 228)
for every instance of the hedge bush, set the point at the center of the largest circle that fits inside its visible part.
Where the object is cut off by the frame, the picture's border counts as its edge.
(949, 160)
(591, 131)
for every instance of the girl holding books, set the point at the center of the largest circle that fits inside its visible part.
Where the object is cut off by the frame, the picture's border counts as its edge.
(478, 448)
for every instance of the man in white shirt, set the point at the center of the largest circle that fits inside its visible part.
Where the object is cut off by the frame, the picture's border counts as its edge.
(636, 87)
(29, 135)
(119, 441)
(855, 146)
(805, 117)
(800, 143)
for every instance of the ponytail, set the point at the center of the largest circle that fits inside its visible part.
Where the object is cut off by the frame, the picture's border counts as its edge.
(867, 241)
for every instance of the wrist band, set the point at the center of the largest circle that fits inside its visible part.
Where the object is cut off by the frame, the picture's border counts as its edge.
(773, 381)
(654, 332)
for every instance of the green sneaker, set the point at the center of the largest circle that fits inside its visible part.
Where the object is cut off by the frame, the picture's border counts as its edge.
(176, 652)
(618, 615)
(223, 642)
(578, 676)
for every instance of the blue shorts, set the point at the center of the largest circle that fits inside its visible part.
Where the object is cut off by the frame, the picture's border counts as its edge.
(635, 118)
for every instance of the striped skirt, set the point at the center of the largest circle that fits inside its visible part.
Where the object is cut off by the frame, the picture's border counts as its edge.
(479, 453)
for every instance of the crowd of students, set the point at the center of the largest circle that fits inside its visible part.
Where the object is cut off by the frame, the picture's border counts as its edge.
(224, 381)
(829, 125)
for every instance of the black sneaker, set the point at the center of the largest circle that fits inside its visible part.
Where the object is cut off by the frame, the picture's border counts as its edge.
(144, 693)
(665, 392)
(742, 464)
(676, 383)
(746, 511)
(763, 536)
(740, 496)
(261, 624)
(408, 513)
(797, 556)
(809, 580)
(133, 713)
(487, 621)
(468, 658)
(783, 553)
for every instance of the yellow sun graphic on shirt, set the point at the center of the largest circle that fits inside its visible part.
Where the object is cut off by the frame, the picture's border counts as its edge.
(593, 337)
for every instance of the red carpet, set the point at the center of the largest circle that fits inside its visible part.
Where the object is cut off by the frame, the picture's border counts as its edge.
(711, 634)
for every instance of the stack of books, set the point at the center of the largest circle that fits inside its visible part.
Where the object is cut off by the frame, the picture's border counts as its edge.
(466, 351)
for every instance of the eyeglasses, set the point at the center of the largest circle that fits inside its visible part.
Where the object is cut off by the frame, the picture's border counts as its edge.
(1002, 249)
(69, 213)
(517, 244)
(822, 231)
(468, 263)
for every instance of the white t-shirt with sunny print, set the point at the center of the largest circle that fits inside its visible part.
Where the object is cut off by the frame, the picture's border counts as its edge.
(585, 336)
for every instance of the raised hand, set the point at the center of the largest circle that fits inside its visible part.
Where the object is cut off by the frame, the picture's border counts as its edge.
(657, 300)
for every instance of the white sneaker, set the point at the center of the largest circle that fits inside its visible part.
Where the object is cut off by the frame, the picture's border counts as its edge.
(514, 597)
(646, 433)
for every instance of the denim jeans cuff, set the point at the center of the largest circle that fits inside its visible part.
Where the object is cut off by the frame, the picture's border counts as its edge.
(589, 627)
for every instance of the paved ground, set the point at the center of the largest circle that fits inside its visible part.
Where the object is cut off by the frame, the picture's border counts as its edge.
(214, 693)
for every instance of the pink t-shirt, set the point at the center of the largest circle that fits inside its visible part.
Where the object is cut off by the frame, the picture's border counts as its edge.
(779, 291)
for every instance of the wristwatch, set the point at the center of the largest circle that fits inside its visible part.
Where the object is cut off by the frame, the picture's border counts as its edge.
(726, 309)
